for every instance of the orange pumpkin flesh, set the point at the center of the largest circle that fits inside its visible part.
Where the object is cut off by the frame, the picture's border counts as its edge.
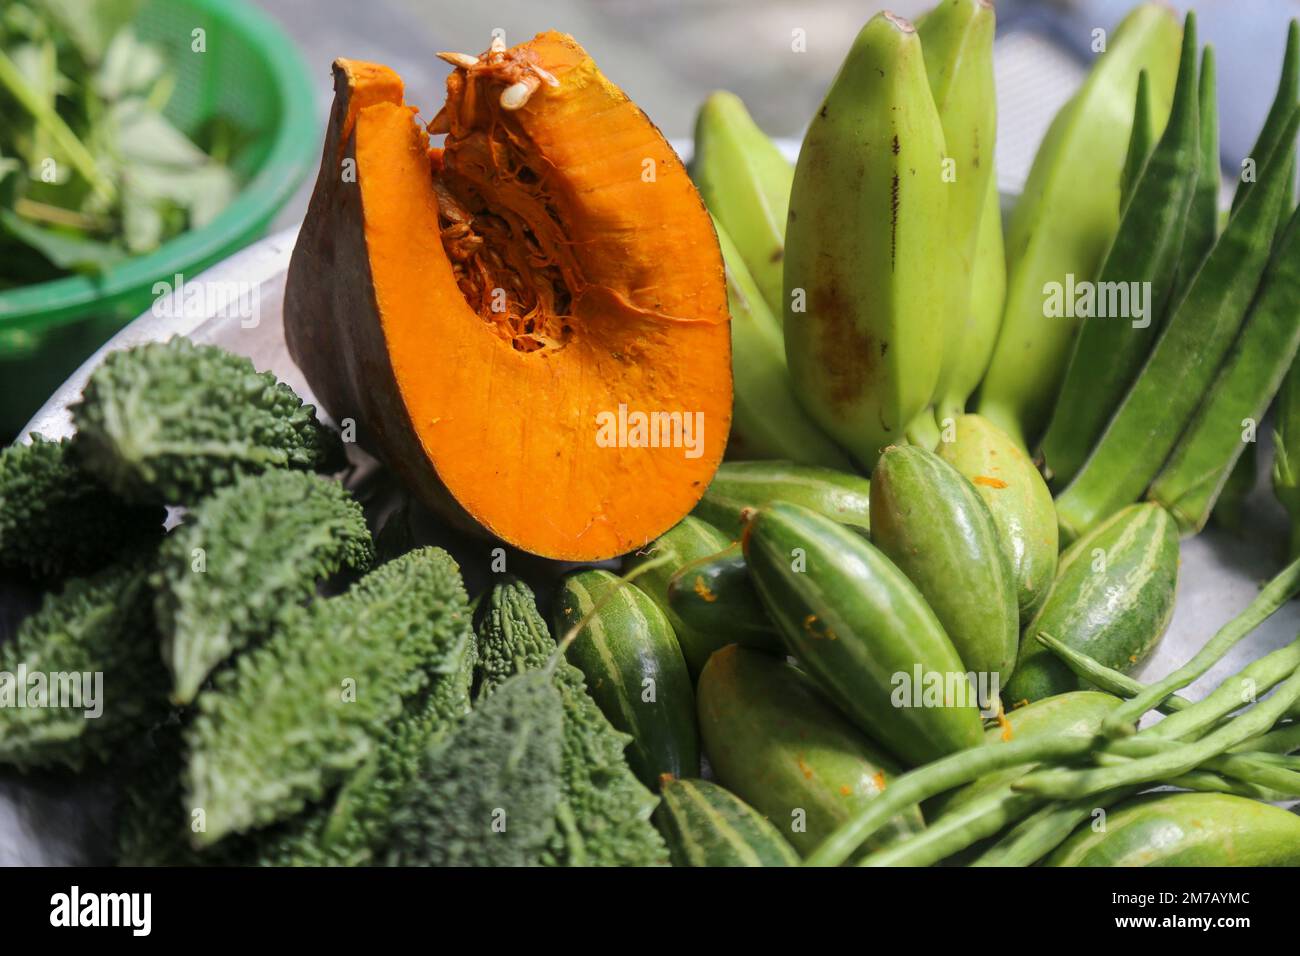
(475, 308)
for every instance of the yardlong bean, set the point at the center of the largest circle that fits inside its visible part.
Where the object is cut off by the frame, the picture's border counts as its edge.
(935, 778)
(957, 830)
(1067, 784)
(1043, 831)
(1259, 676)
(1103, 677)
(1122, 721)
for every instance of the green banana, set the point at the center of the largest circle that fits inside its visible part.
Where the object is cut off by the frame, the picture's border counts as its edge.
(767, 420)
(957, 40)
(745, 182)
(988, 293)
(1067, 214)
(867, 246)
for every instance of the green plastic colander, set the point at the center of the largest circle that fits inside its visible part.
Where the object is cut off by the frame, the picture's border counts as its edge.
(250, 72)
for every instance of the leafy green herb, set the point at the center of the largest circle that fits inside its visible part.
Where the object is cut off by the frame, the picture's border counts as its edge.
(91, 168)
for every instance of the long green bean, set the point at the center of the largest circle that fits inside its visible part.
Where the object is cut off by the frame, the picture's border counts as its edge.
(1123, 720)
(1103, 677)
(1246, 767)
(936, 778)
(1067, 784)
(1205, 781)
(957, 830)
(1283, 739)
(1260, 675)
(1043, 831)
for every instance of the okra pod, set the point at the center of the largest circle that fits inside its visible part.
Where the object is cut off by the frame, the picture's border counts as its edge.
(1286, 453)
(1140, 142)
(1111, 346)
(1187, 356)
(1203, 213)
(1205, 455)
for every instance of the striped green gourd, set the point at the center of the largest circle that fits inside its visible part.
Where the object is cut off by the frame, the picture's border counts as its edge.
(1018, 498)
(775, 742)
(715, 596)
(933, 524)
(635, 671)
(1186, 829)
(741, 486)
(863, 632)
(687, 541)
(1112, 599)
(706, 825)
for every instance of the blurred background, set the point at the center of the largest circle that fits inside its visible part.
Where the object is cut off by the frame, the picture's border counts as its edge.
(667, 54)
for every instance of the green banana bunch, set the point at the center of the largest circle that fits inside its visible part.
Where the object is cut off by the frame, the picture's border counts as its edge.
(1067, 214)
(988, 294)
(767, 420)
(957, 41)
(866, 238)
(745, 182)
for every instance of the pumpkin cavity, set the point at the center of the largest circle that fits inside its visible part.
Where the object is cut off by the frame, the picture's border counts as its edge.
(501, 230)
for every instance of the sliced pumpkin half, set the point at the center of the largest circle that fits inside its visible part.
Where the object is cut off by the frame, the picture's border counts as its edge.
(529, 324)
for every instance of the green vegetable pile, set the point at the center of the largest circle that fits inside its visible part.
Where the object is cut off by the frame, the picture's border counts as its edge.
(1100, 390)
(91, 169)
(250, 718)
(932, 665)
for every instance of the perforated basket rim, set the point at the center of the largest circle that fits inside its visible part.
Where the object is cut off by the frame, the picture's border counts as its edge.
(293, 154)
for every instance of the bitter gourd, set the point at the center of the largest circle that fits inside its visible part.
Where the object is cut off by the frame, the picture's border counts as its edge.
(168, 423)
(82, 673)
(56, 520)
(489, 793)
(245, 558)
(296, 716)
(352, 829)
(603, 815)
(348, 828)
